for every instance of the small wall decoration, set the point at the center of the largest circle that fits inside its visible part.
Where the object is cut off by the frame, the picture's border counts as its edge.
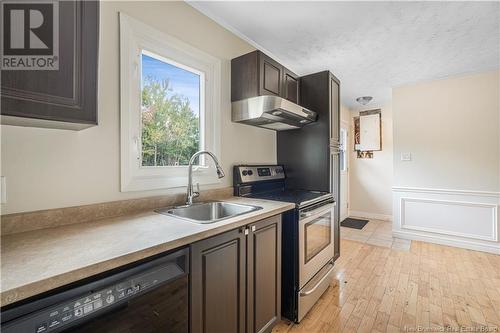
(367, 133)
(364, 154)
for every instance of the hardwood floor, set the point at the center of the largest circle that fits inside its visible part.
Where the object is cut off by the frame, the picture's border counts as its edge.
(432, 287)
(376, 232)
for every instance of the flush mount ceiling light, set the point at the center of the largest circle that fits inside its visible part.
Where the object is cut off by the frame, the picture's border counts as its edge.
(364, 100)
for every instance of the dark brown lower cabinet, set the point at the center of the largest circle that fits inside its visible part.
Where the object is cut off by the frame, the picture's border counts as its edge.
(236, 280)
(264, 275)
(218, 283)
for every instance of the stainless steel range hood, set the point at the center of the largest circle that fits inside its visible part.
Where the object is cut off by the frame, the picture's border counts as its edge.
(271, 112)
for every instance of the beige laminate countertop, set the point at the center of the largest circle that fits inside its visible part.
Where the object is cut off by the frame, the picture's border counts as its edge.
(37, 261)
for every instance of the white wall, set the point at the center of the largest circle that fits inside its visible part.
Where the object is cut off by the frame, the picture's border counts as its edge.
(370, 179)
(450, 190)
(54, 168)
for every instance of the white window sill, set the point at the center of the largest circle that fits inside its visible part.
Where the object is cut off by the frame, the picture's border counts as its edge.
(202, 176)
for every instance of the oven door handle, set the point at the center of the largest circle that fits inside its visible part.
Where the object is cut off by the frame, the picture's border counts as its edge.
(313, 289)
(318, 211)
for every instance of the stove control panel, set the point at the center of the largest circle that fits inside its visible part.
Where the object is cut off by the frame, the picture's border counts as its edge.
(256, 173)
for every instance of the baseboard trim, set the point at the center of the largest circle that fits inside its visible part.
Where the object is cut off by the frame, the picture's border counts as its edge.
(465, 244)
(368, 215)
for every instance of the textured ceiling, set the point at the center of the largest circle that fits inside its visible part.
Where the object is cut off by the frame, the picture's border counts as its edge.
(370, 46)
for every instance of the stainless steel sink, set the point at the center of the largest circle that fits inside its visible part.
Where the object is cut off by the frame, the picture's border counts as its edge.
(208, 212)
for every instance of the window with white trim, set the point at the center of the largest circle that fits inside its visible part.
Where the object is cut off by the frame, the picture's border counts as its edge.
(169, 102)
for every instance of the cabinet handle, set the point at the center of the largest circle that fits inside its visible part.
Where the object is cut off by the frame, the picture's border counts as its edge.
(318, 211)
(246, 231)
(253, 228)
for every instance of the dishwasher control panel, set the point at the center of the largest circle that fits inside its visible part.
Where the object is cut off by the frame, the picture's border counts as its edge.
(65, 314)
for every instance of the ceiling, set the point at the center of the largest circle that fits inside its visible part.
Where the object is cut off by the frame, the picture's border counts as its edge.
(370, 46)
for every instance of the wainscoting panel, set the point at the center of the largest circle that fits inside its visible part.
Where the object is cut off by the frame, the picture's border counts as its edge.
(466, 219)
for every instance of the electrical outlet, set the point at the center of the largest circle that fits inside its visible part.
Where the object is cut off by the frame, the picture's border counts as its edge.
(3, 190)
(405, 156)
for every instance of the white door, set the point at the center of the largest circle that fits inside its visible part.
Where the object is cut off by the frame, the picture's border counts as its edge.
(344, 159)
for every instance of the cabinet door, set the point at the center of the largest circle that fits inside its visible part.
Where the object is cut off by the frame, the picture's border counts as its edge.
(270, 76)
(64, 98)
(291, 86)
(335, 110)
(218, 284)
(264, 275)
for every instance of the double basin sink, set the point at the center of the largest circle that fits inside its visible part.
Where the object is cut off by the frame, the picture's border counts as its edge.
(208, 212)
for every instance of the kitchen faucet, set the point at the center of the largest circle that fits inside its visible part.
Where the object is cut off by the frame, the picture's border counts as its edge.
(190, 192)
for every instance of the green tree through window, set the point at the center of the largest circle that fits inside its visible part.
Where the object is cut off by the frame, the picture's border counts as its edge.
(170, 126)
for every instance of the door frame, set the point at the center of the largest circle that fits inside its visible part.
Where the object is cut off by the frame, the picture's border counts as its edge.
(344, 174)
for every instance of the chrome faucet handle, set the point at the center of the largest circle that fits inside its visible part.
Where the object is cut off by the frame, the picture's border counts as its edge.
(190, 188)
(196, 193)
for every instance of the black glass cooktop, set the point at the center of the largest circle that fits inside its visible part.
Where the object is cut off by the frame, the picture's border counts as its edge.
(298, 197)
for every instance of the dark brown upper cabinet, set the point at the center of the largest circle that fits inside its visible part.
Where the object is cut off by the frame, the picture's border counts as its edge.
(256, 74)
(270, 76)
(65, 98)
(291, 86)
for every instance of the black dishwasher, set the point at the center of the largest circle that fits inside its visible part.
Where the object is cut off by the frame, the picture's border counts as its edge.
(151, 296)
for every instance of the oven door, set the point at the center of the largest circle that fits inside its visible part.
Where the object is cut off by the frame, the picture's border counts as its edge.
(316, 239)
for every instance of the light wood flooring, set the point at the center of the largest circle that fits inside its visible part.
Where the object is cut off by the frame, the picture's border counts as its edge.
(376, 232)
(432, 287)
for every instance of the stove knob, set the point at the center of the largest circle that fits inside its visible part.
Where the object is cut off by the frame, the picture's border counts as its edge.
(250, 172)
(244, 172)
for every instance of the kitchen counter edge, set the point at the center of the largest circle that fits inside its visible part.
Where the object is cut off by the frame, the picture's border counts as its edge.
(200, 232)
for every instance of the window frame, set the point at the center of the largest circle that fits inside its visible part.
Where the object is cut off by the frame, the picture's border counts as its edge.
(136, 37)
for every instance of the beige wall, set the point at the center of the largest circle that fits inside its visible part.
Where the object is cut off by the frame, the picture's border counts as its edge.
(451, 127)
(54, 168)
(449, 192)
(370, 180)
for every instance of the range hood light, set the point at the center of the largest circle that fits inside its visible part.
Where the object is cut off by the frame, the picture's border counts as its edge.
(277, 113)
(303, 121)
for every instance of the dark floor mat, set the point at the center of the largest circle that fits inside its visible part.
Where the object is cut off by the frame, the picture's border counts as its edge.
(353, 223)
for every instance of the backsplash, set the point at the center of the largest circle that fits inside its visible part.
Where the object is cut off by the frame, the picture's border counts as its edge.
(21, 222)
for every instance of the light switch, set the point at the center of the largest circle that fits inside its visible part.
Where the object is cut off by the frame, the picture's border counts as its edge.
(3, 190)
(405, 156)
